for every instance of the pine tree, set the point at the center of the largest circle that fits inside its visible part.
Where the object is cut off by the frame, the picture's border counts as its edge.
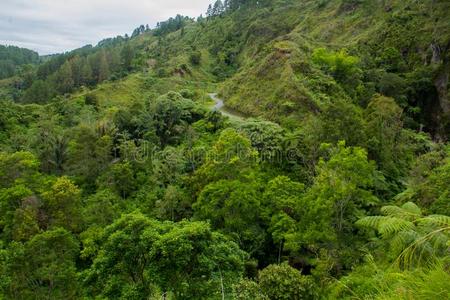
(86, 73)
(126, 56)
(64, 80)
(218, 8)
(103, 70)
(209, 12)
(76, 65)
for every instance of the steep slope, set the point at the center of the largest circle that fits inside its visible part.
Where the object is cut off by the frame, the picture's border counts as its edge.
(264, 54)
(11, 58)
(112, 159)
(403, 48)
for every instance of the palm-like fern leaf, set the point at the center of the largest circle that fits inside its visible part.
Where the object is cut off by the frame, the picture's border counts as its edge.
(412, 209)
(416, 239)
(393, 225)
(408, 211)
(439, 220)
(371, 222)
(392, 210)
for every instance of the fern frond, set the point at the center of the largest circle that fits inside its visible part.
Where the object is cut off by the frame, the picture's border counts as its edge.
(402, 240)
(439, 220)
(371, 222)
(397, 244)
(392, 210)
(408, 211)
(422, 249)
(393, 225)
(412, 209)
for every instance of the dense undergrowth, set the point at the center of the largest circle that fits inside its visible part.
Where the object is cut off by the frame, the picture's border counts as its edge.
(118, 181)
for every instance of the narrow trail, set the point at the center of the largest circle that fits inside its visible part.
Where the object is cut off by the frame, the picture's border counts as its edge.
(219, 105)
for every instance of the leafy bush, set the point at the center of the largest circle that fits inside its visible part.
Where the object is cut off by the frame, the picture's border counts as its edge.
(277, 282)
(342, 66)
(195, 58)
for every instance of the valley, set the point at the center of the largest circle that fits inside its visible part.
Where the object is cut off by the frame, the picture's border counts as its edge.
(270, 149)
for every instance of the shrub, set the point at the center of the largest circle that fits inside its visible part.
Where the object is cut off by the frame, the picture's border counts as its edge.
(195, 58)
(284, 282)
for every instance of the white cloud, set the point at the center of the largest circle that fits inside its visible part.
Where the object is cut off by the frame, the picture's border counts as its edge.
(52, 26)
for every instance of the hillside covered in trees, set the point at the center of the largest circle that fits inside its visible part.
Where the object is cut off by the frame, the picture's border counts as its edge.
(11, 58)
(327, 177)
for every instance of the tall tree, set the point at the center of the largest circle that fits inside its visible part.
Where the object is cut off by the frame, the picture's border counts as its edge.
(388, 144)
(231, 157)
(218, 8)
(103, 68)
(62, 204)
(187, 259)
(63, 79)
(234, 207)
(342, 192)
(86, 73)
(44, 267)
(127, 55)
(40, 92)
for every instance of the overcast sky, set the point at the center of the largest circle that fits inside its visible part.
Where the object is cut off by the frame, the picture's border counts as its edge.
(53, 26)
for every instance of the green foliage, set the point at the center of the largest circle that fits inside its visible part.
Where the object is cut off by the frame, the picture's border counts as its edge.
(15, 166)
(382, 282)
(63, 205)
(248, 289)
(285, 282)
(89, 152)
(50, 143)
(278, 282)
(39, 92)
(195, 58)
(343, 67)
(139, 254)
(341, 193)
(117, 146)
(413, 238)
(170, 114)
(127, 55)
(11, 58)
(388, 143)
(171, 25)
(43, 267)
(342, 120)
(233, 207)
(102, 208)
(266, 137)
(18, 205)
(428, 183)
(64, 82)
(119, 178)
(281, 200)
(231, 157)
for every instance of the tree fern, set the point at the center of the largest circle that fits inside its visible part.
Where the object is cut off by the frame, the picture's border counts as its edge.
(400, 241)
(385, 225)
(412, 209)
(413, 238)
(438, 220)
(408, 211)
(394, 225)
(392, 210)
(371, 222)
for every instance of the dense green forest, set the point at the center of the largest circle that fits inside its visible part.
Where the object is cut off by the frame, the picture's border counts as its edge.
(325, 176)
(14, 60)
